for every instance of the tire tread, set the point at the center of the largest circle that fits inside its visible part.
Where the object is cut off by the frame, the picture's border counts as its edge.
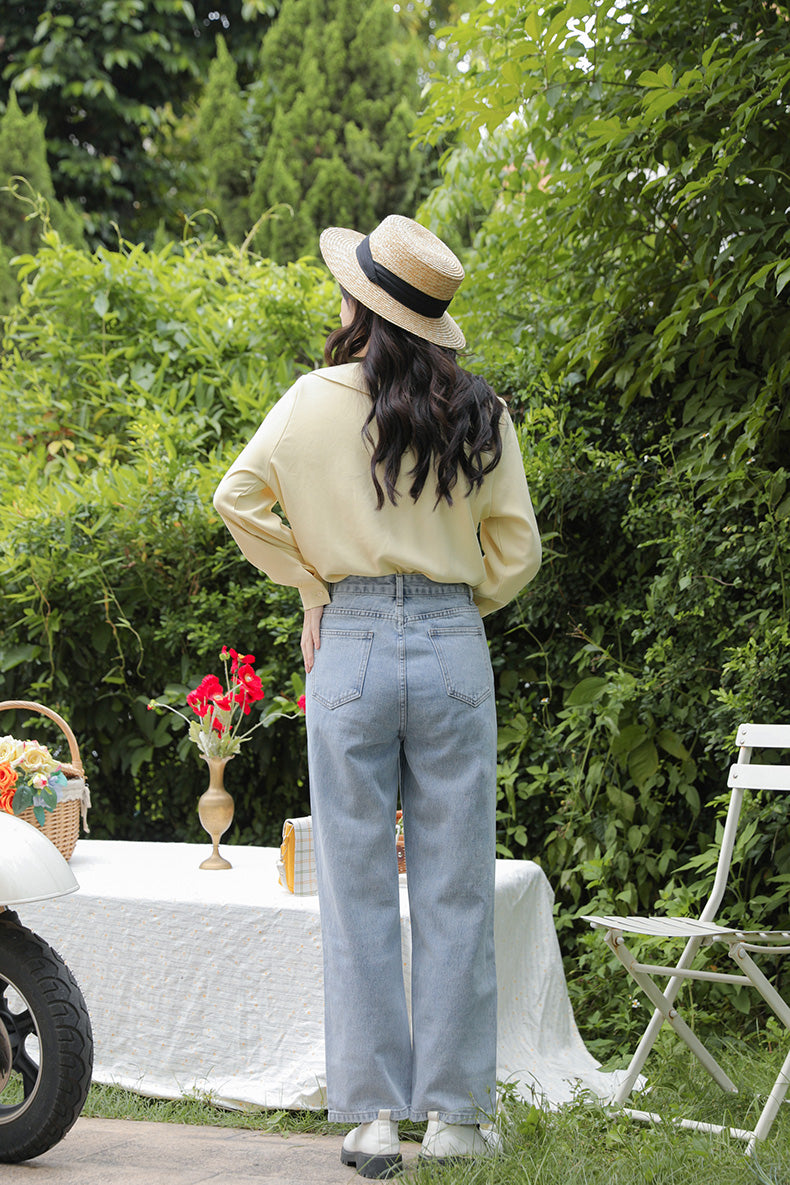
(36, 970)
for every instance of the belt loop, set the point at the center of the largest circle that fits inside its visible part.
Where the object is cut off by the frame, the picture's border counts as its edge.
(399, 589)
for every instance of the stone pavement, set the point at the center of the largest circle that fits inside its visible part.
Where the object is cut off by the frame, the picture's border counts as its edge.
(127, 1152)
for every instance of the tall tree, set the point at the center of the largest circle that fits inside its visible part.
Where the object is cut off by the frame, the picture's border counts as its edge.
(336, 103)
(220, 137)
(107, 78)
(26, 194)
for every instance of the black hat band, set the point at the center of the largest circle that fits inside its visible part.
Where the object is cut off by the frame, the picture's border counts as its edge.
(400, 290)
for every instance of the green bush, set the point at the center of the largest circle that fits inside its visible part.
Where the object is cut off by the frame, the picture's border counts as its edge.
(129, 380)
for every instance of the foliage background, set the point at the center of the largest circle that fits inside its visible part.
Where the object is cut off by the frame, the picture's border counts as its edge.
(128, 377)
(111, 82)
(616, 178)
(620, 178)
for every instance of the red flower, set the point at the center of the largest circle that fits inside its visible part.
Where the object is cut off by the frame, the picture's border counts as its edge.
(236, 660)
(301, 703)
(198, 706)
(200, 698)
(219, 705)
(249, 689)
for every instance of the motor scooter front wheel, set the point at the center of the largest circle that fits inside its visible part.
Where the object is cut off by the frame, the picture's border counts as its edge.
(46, 1044)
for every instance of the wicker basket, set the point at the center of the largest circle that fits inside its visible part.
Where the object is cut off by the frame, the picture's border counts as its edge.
(61, 826)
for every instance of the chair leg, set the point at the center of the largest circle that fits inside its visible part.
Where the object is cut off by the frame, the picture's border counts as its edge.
(769, 993)
(639, 1058)
(740, 955)
(771, 1108)
(663, 1002)
(656, 1021)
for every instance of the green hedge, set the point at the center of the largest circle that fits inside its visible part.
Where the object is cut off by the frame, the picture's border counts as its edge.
(128, 381)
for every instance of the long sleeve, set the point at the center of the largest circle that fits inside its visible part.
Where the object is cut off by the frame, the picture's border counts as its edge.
(509, 536)
(245, 500)
(310, 457)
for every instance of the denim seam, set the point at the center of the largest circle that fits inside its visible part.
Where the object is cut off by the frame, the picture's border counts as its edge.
(402, 701)
(366, 1115)
(435, 616)
(471, 1117)
(335, 609)
(411, 587)
(385, 615)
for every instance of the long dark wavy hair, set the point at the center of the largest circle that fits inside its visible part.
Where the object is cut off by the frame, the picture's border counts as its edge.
(423, 400)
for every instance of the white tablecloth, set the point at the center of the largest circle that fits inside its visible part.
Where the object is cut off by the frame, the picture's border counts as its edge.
(210, 983)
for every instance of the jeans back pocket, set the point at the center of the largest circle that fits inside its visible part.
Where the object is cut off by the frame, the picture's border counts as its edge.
(465, 663)
(340, 665)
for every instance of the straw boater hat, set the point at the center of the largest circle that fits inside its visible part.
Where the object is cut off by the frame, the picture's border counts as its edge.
(402, 272)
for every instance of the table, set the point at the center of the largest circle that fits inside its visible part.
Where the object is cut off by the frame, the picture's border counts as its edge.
(209, 983)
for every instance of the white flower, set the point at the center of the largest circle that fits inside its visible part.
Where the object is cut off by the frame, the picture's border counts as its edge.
(36, 759)
(10, 749)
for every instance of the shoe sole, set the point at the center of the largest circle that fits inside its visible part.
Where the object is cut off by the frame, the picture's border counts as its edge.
(375, 1167)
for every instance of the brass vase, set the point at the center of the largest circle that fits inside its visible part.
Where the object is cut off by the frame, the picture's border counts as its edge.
(215, 809)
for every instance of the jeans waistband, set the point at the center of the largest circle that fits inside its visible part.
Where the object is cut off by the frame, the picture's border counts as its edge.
(399, 586)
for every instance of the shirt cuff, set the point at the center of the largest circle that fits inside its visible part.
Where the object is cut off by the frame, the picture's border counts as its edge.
(314, 594)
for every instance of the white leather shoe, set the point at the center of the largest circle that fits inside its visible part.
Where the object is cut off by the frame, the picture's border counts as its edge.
(373, 1149)
(444, 1143)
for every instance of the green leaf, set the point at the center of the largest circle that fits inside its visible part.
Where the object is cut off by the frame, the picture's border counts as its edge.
(657, 106)
(628, 739)
(140, 756)
(23, 799)
(532, 26)
(643, 763)
(14, 656)
(652, 79)
(671, 743)
(783, 509)
(636, 838)
(586, 692)
(624, 803)
(782, 280)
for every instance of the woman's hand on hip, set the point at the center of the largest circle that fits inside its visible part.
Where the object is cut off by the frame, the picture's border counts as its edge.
(311, 635)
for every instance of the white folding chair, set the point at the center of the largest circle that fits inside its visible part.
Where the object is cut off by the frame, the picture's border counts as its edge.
(704, 931)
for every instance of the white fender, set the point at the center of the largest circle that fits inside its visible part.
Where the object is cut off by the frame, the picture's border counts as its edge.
(31, 868)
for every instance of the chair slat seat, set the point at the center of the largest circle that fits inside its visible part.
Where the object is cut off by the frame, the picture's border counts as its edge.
(663, 927)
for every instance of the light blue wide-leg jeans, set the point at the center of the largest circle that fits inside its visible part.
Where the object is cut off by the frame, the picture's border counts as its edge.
(401, 695)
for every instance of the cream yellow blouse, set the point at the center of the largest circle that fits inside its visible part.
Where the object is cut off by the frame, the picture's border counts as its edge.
(309, 457)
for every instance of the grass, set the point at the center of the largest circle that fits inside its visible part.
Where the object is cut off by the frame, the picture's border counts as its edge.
(580, 1144)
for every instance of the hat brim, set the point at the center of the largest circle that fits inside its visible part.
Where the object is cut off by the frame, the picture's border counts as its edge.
(338, 247)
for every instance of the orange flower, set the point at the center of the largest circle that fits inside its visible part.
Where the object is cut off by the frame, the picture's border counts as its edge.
(7, 787)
